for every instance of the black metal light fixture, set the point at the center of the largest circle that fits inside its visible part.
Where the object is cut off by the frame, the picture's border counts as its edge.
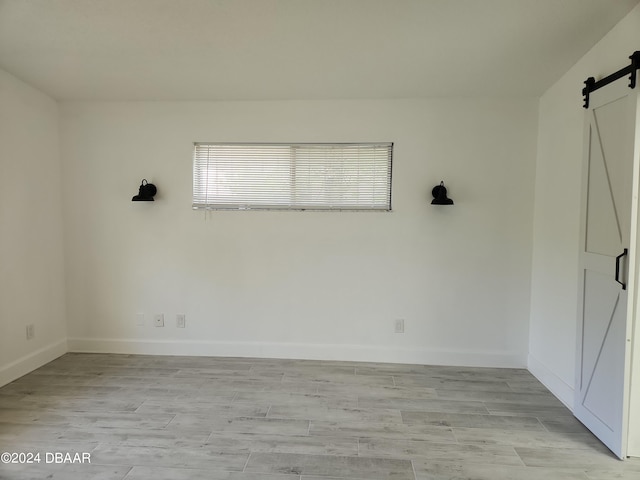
(146, 192)
(439, 193)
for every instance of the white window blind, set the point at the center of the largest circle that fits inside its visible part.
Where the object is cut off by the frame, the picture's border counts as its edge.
(295, 176)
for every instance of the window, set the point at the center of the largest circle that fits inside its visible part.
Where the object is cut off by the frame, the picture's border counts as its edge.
(296, 176)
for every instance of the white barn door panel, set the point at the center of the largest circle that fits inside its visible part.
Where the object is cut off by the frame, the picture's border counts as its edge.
(607, 259)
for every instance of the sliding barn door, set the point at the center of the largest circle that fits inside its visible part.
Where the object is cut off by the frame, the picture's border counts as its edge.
(607, 259)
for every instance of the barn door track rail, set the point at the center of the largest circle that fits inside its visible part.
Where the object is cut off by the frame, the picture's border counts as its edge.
(590, 84)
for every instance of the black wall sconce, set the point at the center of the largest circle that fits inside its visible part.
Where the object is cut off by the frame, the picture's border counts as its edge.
(439, 193)
(146, 192)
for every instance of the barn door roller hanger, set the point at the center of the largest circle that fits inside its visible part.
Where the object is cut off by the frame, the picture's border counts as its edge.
(590, 84)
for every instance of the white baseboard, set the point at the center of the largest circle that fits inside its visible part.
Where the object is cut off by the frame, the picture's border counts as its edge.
(28, 363)
(554, 383)
(358, 353)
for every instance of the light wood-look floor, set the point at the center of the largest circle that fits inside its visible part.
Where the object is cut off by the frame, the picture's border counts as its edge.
(197, 418)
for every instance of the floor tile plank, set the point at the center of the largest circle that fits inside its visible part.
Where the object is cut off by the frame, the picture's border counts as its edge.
(324, 465)
(160, 473)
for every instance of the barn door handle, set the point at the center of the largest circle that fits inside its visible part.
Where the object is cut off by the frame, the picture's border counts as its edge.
(624, 285)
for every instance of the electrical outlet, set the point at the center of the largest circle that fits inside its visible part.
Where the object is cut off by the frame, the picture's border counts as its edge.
(140, 319)
(158, 319)
(399, 325)
(31, 331)
(181, 320)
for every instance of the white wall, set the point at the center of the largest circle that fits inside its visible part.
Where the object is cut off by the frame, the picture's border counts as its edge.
(554, 298)
(31, 243)
(303, 284)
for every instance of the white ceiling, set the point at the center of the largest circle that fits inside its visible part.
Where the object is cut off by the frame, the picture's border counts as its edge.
(298, 49)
